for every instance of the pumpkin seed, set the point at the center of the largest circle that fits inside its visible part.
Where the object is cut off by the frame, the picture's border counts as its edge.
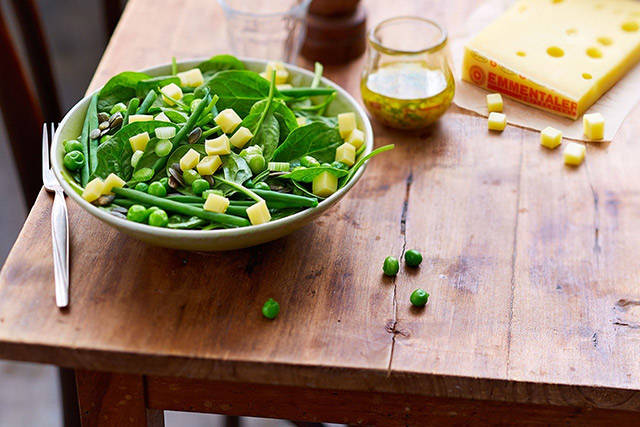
(103, 117)
(194, 135)
(116, 122)
(115, 117)
(177, 177)
(95, 134)
(209, 179)
(103, 125)
(173, 183)
(104, 200)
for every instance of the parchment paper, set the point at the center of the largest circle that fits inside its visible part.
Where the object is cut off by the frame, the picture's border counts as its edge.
(614, 105)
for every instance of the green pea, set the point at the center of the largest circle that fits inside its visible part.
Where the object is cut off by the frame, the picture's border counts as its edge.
(164, 181)
(158, 218)
(309, 162)
(73, 160)
(256, 163)
(137, 213)
(199, 186)
(142, 186)
(157, 189)
(270, 309)
(391, 266)
(339, 165)
(72, 145)
(190, 175)
(419, 297)
(262, 186)
(413, 258)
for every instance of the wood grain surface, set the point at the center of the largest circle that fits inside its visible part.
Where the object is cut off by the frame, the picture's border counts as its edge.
(531, 265)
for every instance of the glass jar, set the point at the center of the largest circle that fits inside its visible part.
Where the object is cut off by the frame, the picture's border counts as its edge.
(407, 82)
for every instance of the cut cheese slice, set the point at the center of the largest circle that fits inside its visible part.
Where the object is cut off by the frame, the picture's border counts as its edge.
(557, 55)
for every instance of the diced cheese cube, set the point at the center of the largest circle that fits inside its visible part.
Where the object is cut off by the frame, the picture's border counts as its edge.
(172, 91)
(550, 137)
(162, 117)
(284, 86)
(217, 146)
(112, 181)
(301, 121)
(259, 213)
(282, 75)
(191, 78)
(209, 165)
(93, 190)
(574, 154)
(346, 123)
(355, 138)
(346, 153)
(139, 141)
(190, 160)
(228, 120)
(241, 137)
(324, 184)
(494, 103)
(216, 203)
(593, 126)
(140, 118)
(497, 121)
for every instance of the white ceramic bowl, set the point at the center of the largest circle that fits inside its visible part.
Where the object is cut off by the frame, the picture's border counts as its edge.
(212, 240)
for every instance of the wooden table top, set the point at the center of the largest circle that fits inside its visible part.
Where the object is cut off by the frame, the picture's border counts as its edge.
(531, 265)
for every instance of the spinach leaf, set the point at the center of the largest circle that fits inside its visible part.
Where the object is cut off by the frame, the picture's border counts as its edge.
(220, 63)
(286, 119)
(144, 86)
(114, 155)
(311, 118)
(308, 174)
(301, 191)
(174, 115)
(267, 136)
(315, 139)
(181, 151)
(235, 168)
(239, 89)
(120, 88)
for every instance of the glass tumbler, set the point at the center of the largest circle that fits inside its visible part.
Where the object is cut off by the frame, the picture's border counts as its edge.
(406, 81)
(266, 29)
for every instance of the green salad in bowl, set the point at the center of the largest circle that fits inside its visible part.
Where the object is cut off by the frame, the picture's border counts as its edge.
(196, 155)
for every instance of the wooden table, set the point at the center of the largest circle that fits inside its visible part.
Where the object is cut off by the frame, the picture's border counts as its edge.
(532, 268)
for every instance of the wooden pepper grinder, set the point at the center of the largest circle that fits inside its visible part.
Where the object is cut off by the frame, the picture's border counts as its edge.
(336, 31)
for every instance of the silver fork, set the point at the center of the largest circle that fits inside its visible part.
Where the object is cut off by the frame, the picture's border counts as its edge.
(59, 224)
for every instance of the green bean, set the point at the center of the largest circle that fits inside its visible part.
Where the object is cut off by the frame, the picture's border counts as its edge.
(301, 92)
(181, 208)
(206, 118)
(210, 132)
(291, 199)
(131, 109)
(148, 102)
(84, 140)
(237, 211)
(183, 198)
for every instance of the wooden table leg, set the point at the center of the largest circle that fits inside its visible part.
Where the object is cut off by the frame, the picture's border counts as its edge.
(114, 400)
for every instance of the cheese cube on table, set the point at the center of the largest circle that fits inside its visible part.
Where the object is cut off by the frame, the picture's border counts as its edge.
(162, 117)
(355, 138)
(228, 120)
(593, 126)
(301, 121)
(550, 137)
(574, 154)
(112, 181)
(191, 78)
(170, 93)
(140, 118)
(497, 121)
(209, 165)
(346, 123)
(259, 213)
(93, 190)
(494, 103)
(241, 137)
(139, 141)
(324, 184)
(217, 146)
(216, 203)
(346, 153)
(190, 160)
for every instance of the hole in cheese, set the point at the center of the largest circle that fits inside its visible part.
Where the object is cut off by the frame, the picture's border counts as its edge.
(587, 76)
(572, 32)
(605, 41)
(594, 52)
(556, 1)
(599, 6)
(630, 26)
(555, 51)
(521, 53)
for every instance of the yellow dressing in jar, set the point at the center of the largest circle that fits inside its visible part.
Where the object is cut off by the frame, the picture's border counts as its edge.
(407, 95)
